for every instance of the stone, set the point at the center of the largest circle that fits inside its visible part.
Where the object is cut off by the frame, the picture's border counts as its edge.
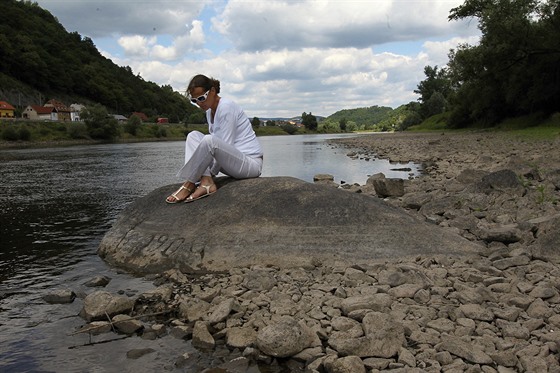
(464, 350)
(500, 180)
(194, 309)
(384, 338)
(511, 262)
(405, 290)
(61, 296)
(539, 309)
(347, 364)
(98, 281)
(221, 311)
(97, 327)
(280, 221)
(139, 352)
(161, 293)
(126, 324)
(241, 337)
(375, 302)
(285, 338)
(476, 312)
(407, 358)
(386, 187)
(101, 304)
(201, 337)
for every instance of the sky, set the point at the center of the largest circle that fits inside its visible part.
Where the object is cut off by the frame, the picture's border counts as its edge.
(277, 58)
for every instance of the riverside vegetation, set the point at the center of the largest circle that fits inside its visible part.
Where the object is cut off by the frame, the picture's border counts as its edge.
(495, 311)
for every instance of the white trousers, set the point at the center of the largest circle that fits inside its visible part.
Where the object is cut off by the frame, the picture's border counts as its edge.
(206, 155)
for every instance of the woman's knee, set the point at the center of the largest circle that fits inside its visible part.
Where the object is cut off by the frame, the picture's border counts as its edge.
(195, 135)
(208, 141)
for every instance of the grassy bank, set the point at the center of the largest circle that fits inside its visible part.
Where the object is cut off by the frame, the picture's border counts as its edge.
(529, 127)
(24, 133)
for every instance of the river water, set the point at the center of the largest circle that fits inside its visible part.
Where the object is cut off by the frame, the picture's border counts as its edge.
(55, 206)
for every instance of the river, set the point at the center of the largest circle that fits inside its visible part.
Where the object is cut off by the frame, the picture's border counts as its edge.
(55, 206)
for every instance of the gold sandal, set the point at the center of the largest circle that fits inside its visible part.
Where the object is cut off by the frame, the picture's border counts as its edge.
(174, 195)
(208, 192)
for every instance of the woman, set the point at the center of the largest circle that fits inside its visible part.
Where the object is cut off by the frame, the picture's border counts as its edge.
(231, 147)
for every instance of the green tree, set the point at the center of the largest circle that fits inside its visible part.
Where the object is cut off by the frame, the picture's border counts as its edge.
(289, 128)
(309, 121)
(435, 105)
(436, 82)
(256, 122)
(99, 124)
(198, 117)
(342, 124)
(132, 124)
(514, 69)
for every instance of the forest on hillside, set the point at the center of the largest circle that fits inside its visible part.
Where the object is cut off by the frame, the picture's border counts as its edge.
(40, 60)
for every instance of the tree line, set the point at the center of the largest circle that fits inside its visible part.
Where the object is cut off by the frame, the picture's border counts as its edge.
(38, 55)
(513, 71)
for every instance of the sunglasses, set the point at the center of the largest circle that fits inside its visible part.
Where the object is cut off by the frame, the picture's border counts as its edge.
(201, 98)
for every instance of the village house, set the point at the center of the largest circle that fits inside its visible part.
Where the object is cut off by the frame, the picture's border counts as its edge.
(6, 110)
(36, 112)
(143, 117)
(120, 118)
(62, 111)
(75, 110)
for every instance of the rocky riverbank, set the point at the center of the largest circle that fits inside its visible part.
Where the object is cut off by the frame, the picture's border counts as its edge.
(497, 311)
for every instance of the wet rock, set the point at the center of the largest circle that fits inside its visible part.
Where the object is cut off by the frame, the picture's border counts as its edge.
(126, 324)
(102, 304)
(98, 281)
(139, 352)
(60, 296)
(386, 187)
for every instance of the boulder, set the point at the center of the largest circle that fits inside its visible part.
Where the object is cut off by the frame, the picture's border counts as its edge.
(102, 304)
(285, 338)
(386, 187)
(280, 221)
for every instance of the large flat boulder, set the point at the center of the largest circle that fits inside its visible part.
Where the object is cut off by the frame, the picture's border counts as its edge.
(280, 221)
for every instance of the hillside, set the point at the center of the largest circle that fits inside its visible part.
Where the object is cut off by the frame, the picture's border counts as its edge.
(40, 60)
(367, 116)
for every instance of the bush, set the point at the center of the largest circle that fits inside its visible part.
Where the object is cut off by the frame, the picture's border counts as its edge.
(158, 131)
(77, 130)
(131, 126)
(24, 134)
(10, 134)
(289, 128)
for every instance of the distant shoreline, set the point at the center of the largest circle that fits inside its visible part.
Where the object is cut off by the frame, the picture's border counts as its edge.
(63, 143)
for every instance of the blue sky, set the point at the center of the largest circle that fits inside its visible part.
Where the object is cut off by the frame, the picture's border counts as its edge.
(276, 58)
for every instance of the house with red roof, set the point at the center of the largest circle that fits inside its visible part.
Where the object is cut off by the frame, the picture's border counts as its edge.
(6, 110)
(143, 117)
(36, 112)
(63, 113)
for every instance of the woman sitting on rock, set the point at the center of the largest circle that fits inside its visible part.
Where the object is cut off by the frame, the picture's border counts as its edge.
(231, 147)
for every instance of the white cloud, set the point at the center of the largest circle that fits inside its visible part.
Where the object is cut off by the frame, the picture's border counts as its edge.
(103, 18)
(326, 24)
(278, 58)
(136, 45)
